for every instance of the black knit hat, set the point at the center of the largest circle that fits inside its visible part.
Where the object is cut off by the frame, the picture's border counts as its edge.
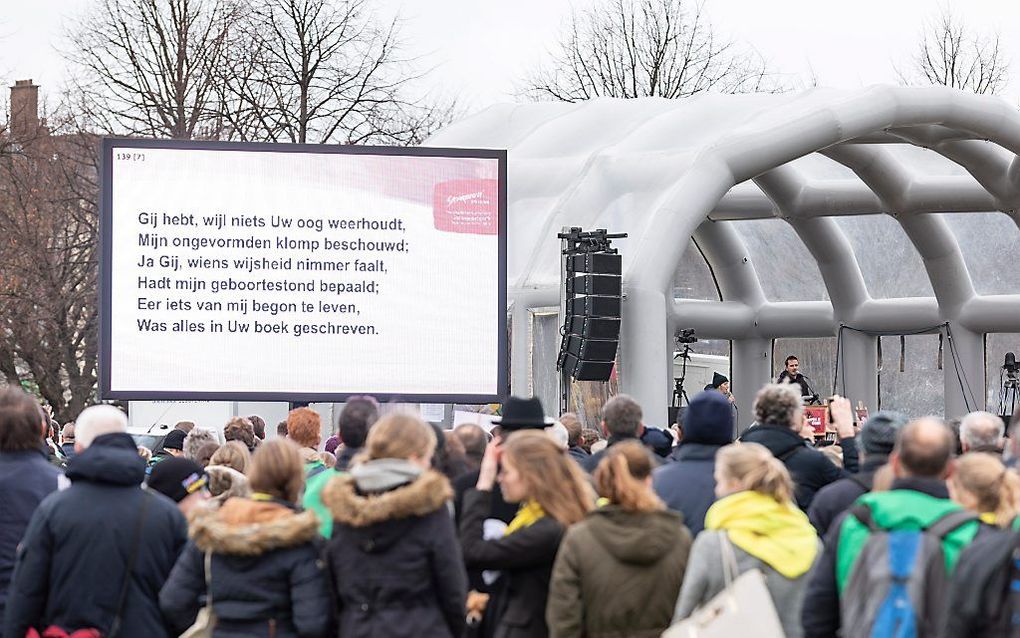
(177, 478)
(174, 440)
(718, 380)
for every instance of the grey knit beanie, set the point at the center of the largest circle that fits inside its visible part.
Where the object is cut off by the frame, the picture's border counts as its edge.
(878, 435)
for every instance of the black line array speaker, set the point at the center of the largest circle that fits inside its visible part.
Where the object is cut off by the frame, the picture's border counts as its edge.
(592, 326)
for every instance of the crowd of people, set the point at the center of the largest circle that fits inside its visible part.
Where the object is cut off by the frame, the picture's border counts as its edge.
(393, 527)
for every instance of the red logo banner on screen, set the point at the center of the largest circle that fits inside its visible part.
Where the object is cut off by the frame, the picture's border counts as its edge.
(467, 206)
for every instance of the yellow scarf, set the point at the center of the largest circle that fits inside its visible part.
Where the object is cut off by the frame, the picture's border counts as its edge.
(529, 513)
(989, 518)
(778, 535)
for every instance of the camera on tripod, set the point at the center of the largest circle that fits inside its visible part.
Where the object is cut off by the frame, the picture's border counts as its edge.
(1011, 366)
(686, 336)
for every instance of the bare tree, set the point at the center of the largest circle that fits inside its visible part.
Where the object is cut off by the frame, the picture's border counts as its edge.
(48, 223)
(951, 54)
(321, 71)
(147, 67)
(264, 70)
(638, 48)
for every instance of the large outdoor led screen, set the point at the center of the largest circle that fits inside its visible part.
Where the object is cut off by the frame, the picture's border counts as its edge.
(304, 273)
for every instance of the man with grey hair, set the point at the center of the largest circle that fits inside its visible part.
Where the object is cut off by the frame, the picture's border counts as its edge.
(621, 421)
(96, 554)
(982, 432)
(780, 418)
(196, 440)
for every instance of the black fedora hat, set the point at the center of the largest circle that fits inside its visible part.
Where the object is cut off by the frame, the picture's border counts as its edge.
(520, 414)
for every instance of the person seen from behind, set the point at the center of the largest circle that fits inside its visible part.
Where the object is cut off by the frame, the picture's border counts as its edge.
(621, 421)
(619, 571)
(474, 439)
(553, 495)
(841, 591)
(67, 440)
(26, 476)
(232, 454)
(304, 428)
(196, 440)
(875, 442)
(181, 480)
(982, 432)
(95, 555)
(687, 485)
(981, 484)
(393, 556)
(171, 446)
(241, 430)
(780, 418)
(258, 426)
(259, 556)
(356, 419)
(575, 436)
(757, 517)
(982, 591)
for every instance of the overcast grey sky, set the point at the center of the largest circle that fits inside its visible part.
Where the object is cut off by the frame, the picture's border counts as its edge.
(480, 48)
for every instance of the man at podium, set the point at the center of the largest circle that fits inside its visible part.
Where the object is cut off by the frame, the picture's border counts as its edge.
(792, 375)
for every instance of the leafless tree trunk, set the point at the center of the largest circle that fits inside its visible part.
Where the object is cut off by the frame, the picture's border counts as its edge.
(48, 221)
(147, 67)
(322, 71)
(638, 48)
(950, 54)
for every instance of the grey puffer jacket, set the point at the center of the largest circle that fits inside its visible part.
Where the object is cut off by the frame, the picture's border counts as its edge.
(704, 579)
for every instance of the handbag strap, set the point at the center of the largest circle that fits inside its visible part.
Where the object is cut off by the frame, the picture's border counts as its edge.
(135, 543)
(208, 578)
(729, 559)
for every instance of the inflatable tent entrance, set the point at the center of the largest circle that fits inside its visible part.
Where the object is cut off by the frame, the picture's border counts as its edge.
(896, 210)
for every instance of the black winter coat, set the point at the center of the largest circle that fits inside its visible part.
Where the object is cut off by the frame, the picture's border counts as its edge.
(266, 577)
(809, 468)
(980, 588)
(73, 560)
(26, 478)
(394, 561)
(526, 559)
(687, 485)
(835, 498)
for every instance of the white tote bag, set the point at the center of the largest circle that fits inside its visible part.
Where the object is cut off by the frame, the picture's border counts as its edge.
(743, 609)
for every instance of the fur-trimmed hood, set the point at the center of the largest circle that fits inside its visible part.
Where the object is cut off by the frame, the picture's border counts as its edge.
(425, 495)
(244, 527)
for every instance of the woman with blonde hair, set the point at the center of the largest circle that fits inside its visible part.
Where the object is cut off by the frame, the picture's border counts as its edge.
(982, 484)
(619, 571)
(533, 471)
(258, 555)
(981, 588)
(232, 454)
(393, 555)
(757, 517)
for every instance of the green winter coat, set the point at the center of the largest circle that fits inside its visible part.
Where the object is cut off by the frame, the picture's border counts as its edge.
(618, 574)
(899, 510)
